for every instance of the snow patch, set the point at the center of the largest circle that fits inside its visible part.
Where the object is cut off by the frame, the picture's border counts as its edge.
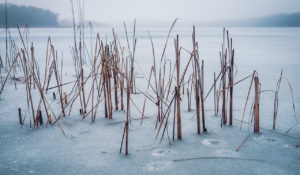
(214, 143)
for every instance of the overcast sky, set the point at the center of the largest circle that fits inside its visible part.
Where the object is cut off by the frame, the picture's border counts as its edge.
(166, 10)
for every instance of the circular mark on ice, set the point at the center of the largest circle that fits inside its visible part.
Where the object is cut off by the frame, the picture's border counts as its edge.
(214, 142)
(226, 153)
(158, 165)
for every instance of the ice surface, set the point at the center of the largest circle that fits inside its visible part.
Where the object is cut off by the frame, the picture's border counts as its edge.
(94, 148)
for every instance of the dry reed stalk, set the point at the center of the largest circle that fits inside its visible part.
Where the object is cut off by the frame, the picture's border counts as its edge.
(201, 96)
(177, 53)
(174, 117)
(39, 117)
(122, 90)
(6, 33)
(116, 70)
(244, 141)
(58, 83)
(230, 75)
(241, 80)
(26, 67)
(49, 119)
(174, 99)
(28, 86)
(127, 116)
(115, 75)
(292, 97)
(223, 59)
(252, 79)
(82, 84)
(151, 71)
(256, 105)
(231, 88)
(276, 100)
(3, 84)
(122, 67)
(196, 83)
(37, 82)
(215, 96)
(197, 80)
(158, 80)
(65, 98)
(129, 88)
(20, 116)
(105, 91)
(188, 98)
(224, 116)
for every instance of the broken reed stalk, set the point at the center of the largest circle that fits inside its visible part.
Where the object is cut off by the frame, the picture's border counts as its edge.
(244, 141)
(20, 116)
(256, 105)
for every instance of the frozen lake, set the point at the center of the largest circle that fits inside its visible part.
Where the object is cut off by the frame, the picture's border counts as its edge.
(94, 148)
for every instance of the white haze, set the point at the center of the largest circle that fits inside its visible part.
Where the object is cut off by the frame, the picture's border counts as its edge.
(111, 11)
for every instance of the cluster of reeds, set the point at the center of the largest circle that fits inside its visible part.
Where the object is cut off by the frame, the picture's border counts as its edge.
(254, 110)
(227, 70)
(129, 78)
(197, 83)
(33, 79)
(106, 71)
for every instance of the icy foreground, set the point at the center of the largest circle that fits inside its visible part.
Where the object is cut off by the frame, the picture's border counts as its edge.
(94, 148)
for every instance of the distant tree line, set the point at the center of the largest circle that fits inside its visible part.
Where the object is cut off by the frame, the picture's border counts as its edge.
(280, 20)
(27, 15)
